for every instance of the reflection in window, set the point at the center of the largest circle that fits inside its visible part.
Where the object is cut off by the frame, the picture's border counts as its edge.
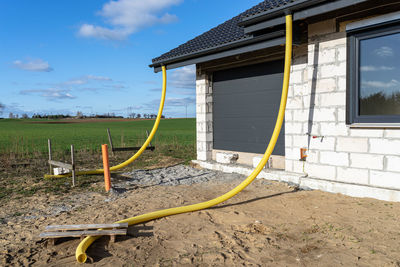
(379, 92)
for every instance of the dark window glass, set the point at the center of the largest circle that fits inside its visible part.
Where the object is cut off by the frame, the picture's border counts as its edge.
(379, 75)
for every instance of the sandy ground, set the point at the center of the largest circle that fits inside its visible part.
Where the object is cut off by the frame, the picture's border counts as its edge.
(267, 224)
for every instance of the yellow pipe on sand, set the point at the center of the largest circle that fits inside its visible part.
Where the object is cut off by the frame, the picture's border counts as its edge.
(140, 151)
(85, 243)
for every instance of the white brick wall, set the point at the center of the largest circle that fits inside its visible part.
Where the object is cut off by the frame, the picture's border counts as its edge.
(317, 106)
(361, 156)
(366, 161)
(203, 116)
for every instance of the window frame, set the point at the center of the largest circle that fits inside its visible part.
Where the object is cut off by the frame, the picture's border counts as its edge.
(353, 73)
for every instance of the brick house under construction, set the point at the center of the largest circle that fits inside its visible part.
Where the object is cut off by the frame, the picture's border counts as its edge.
(344, 96)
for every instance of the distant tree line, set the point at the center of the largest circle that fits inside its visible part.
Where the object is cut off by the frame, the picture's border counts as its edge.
(79, 115)
(380, 104)
(134, 115)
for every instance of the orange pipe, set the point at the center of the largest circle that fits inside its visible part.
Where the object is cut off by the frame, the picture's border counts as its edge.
(106, 167)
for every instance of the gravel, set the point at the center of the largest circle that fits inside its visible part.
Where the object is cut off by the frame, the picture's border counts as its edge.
(178, 175)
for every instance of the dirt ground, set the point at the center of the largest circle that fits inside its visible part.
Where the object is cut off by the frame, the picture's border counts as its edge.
(267, 224)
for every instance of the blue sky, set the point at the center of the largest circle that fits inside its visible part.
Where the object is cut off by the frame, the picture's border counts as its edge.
(380, 65)
(93, 56)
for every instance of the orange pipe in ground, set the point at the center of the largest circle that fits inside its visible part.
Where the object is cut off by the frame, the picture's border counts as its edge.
(106, 167)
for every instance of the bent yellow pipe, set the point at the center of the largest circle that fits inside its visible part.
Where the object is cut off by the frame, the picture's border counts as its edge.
(85, 243)
(144, 146)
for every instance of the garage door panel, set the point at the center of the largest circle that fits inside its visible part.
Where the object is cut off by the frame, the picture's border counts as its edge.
(246, 102)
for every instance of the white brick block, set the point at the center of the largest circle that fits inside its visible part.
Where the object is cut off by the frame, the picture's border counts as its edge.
(342, 84)
(333, 99)
(310, 100)
(312, 127)
(351, 175)
(392, 133)
(334, 158)
(321, 171)
(327, 143)
(293, 128)
(204, 155)
(312, 156)
(324, 114)
(333, 41)
(333, 70)
(296, 77)
(325, 85)
(385, 146)
(393, 163)
(385, 179)
(298, 166)
(334, 129)
(301, 89)
(351, 144)
(367, 161)
(292, 153)
(327, 56)
(203, 137)
(288, 165)
(300, 140)
(288, 115)
(301, 115)
(288, 141)
(201, 146)
(359, 132)
(226, 158)
(294, 103)
(341, 114)
(341, 53)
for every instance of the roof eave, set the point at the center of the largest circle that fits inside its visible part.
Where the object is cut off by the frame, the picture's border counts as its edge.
(301, 4)
(224, 47)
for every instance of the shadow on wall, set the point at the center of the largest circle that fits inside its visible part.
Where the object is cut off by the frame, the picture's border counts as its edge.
(313, 90)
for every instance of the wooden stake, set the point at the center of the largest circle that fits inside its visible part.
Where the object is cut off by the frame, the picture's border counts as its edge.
(49, 145)
(110, 141)
(73, 165)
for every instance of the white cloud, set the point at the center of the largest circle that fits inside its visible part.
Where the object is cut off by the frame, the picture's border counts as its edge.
(184, 77)
(50, 94)
(176, 102)
(384, 51)
(376, 68)
(33, 65)
(125, 17)
(381, 84)
(85, 79)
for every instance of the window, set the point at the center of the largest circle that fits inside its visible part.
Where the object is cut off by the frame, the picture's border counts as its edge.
(373, 90)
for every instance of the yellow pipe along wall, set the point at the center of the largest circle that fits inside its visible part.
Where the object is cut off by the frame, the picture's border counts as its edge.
(85, 243)
(142, 148)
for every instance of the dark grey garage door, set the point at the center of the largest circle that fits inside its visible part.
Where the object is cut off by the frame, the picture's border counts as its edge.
(246, 102)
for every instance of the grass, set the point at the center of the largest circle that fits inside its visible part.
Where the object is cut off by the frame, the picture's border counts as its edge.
(30, 136)
(23, 150)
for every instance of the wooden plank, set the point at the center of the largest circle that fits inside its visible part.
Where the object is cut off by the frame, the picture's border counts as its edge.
(83, 233)
(61, 164)
(84, 226)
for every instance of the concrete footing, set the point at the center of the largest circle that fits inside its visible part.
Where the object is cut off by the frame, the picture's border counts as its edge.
(305, 182)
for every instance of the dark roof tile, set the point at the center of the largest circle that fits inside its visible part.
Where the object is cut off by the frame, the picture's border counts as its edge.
(225, 33)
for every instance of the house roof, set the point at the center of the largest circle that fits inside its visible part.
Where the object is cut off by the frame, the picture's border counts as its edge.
(223, 34)
(245, 32)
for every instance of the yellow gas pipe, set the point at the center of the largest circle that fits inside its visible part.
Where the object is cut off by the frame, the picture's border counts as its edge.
(140, 151)
(85, 243)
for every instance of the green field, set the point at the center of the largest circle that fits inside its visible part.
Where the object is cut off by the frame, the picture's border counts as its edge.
(24, 137)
